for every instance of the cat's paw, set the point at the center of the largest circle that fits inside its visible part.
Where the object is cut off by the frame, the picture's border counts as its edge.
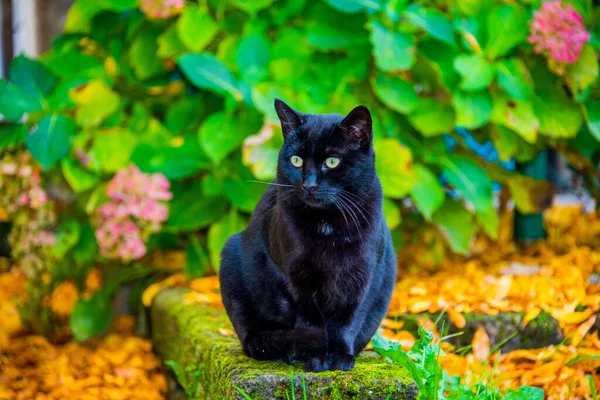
(341, 362)
(316, 364)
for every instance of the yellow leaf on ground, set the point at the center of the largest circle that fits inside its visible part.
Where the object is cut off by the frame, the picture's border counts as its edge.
(481, 344)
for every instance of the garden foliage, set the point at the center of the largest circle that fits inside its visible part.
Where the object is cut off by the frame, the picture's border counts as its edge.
(178, 96)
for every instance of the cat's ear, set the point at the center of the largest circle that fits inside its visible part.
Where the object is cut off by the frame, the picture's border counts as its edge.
(290, 118)
(359, 126)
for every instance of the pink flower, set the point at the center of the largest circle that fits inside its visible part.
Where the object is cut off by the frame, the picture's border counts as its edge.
(161, 9)
(557, 32)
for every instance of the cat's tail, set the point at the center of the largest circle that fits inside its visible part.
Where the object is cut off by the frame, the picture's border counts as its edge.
(285, 345)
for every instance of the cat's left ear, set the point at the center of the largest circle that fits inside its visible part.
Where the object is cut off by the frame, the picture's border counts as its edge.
(359, 125)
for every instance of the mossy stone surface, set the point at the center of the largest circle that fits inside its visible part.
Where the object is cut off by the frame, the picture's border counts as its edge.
(211, 364)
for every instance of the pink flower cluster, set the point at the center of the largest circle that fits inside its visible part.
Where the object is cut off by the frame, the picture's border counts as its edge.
(136, 209)
(161, 9)
(29, 210)
(557, 32)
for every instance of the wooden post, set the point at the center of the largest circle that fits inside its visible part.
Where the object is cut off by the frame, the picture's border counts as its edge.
(530, 227)
(6, 40)
(26, 24)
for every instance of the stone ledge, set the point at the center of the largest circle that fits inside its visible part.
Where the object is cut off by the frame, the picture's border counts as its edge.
(211, 364)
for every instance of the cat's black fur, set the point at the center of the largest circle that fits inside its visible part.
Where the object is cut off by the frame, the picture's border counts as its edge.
(311, 277)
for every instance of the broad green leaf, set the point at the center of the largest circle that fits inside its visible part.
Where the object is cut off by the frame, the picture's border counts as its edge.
(196, 28)
(507, 27)
(51, 141)
(473, 7)
(79, 178)
(396, 93)
(432, 118)
(456, 224)
(243, 194)
(14, 102)
(441, 59)
(526, 393)
(32, 78)
(517, 116)
(190, 211)
(95, 102)
(112, 149)
(427, 192)
(394, 167)
(262, 161)
(142, 53)
(473, 110)
(220, 231)
(206, 72)
(219, 135)
(174, 161)
(514, 78)
(92, 316)
(505, 142)
(592, 117)
(72, 64)
(559, 116)
(86, 250)
(252, 6)
(169, 43)
(184, 115)
(212, 186)
(584, 72)
(335, 34)
(391, 211)
(67, 237)
(12, 135)
(252, 57)
(431, 21)
(473, 184)
(197, 261)
(354, 6)
(530, 196)
(393, 51)
(476, 73)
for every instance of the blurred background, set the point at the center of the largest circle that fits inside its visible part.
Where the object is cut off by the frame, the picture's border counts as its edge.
(133, 133)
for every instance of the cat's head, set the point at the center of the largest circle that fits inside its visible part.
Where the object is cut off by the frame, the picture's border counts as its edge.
(326, 157)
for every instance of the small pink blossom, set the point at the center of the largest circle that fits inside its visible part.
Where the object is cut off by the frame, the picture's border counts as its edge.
(557, 31)
(161, 9)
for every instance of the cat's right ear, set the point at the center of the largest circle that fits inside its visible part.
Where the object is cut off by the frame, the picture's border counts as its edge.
(290, 118)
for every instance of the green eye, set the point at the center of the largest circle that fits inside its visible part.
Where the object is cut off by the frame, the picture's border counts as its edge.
(332, 162)
(296, 161)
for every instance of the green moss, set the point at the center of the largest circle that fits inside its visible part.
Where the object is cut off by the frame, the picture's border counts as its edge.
(211, 363)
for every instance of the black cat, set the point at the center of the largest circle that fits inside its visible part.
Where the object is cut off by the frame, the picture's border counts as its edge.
(311, 277)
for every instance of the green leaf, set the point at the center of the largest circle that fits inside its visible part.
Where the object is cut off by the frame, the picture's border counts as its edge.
(79, 178)
(197, 262)
(51, 141)
(14, 102)
(252, 57)
(12, 135)
(473, 184)
(184, 115)
(32, 78)
(219, 135)
(592, 117)
(220, 231)
(196, 27)
(394, 167)
(354, 6)
(456, 224)
(332, 34)
(431, 118)
(112, 149)
(142, 53)
(86, 250)
(515, 79)
(476, 73)
(505, 142)
(427, 192)
(175, 162)
(392, 351)
(245, 195)
(507, 27)
(473, 7)
(252, 6)
(473, 110)
(66, 238)
(559, 116)
(431, 21)
(396, 93)
(93, 316)
(392, 214)
(190, 211)
(206, 72)
(393, 51)
(169, 43)
(531, 196)
(526, 393)
(95, 102)
(584, 72)
(517, 116)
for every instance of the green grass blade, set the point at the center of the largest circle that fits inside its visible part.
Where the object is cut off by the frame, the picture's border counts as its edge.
(244, 394)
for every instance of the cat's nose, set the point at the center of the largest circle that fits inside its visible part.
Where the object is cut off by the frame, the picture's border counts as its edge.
(310, 185)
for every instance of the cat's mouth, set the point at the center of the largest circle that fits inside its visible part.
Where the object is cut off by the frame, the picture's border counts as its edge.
(313, 200)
